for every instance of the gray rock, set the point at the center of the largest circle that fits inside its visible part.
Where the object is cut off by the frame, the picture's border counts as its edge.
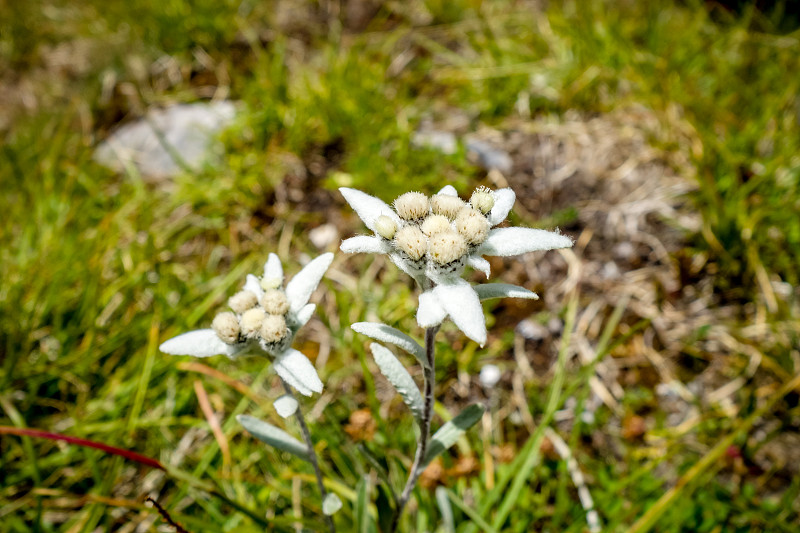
(489, 157)
(532, 331)
(167, 141)
(444, 141)
(323, 236)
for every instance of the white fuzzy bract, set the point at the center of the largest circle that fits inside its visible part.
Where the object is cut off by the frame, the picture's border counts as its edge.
(489, 376)
(424, 247)
(286, 406)
(269, 325)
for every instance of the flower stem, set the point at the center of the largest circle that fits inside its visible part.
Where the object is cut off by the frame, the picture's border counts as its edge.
(429, 375)
(312, 455)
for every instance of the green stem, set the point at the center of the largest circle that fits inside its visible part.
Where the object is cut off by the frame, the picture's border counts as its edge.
(312, 454)
(429, 375)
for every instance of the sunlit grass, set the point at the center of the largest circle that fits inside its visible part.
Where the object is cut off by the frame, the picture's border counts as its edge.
(97, 268)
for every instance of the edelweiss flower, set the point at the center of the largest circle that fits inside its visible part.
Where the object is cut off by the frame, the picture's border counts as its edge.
(434, 239)
(266, 316)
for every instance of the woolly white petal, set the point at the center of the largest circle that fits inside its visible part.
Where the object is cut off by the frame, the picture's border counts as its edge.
(286, 406)
(462, 304)
(304, 315)
(367, 207)
(503, 290)
(448, 190)
(430, 312)
(480, 264)
(503, 202)
(408, 267)
(199, 343)
(367, 244)
(331, 504)
(253, 285)
(273, 269)
(297, 371)
(516, 241)
(299, 289)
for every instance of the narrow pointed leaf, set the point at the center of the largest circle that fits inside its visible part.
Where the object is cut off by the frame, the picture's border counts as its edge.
(516, 241)
(295, 368)
(398, 376)
(503, 290)
(304, 315)
(449, 433)
(368, 244)
(368, 208)
(199, 343)
(300, 287)
(273, 436)
(273, 270)
(253, 285)
(480, 264)
(384, 333)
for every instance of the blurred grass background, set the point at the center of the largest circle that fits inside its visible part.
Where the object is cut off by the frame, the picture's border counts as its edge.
(98, 268)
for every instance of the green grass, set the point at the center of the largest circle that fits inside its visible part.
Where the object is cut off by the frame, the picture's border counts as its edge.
(97, 268)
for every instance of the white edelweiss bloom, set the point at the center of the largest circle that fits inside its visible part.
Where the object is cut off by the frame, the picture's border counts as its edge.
(265, 316)
(449, 249)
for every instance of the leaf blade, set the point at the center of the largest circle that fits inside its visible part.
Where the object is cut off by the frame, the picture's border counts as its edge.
(503, 290)
(275, 437)
(448, 434)
(384, 333)
(394, 371)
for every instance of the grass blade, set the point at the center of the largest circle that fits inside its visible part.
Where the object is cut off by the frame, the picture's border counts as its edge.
(682, 488)
(532, 456)
(445, 509)
(471, 513)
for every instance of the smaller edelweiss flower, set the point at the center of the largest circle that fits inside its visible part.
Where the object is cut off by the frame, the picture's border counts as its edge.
(263, 315)
(434, 239)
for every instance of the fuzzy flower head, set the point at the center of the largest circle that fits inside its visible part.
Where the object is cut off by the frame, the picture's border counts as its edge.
(264, 316)
(433, 239)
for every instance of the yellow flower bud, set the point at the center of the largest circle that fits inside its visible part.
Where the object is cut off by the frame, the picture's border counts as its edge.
(447, 247)
(472, 225)
(270, 283)
(412, 241)
(251, 322)
(273, 328)
(242, 301)
(482, 200)
(449, 206)
(226, 326)
(435, 224)
(274, 302)
(385, 227)
(411, 205)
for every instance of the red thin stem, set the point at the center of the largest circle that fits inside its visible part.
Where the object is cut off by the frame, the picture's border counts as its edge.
(128, 454)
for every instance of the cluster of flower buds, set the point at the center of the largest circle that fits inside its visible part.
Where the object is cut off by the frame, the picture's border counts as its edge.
(262, 320)
(442, 229)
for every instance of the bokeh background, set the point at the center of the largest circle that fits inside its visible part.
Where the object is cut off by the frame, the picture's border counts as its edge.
(662, 136)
